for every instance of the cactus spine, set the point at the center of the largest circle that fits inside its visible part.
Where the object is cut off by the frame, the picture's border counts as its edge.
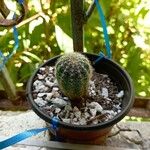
(73, 72)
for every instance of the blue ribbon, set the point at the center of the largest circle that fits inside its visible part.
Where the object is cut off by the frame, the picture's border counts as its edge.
(19, 137)
(29, 133)
(15, 33)
(106, 37)
(20, 1)
(101, 55)
(54, 126)
(16, 45)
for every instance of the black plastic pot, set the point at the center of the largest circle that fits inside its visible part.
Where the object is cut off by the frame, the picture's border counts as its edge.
(90, 133)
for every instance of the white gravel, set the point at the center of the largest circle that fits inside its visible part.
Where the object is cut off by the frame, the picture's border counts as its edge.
(50, 98)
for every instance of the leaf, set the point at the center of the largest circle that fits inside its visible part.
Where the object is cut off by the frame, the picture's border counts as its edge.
(26, 59)
(64, 41)
(32, 55)
(25, 72)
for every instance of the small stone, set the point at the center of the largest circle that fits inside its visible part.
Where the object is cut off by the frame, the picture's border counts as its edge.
(56, 94)
(55, 89)
(48, 96)
(91, 82)
(49, 108)
(104, 92)
(93, 92)
(48, 78)
(75, 119)
(62, 114)
(52, 108)
(96, 106)
(48, 83)
(82, 121)
(76, 123)
(86, 115)
(89, 105)
(71, 116)
(40, 102)
(51, 114)
(41, 88)
(66, 120)
(117, 107)
(65, 98)
(75, 109)
(41, 94)
(108, 102)
(55, 83)
(37, 83)
(108, 99)
(40, 76)
(99, 108)
(118, 111)
(51, 69)
(93, 112)
(68, 108)
(120, 94)
(115, 113)
(57, 110)
(92, 85)
(111, 113)
(42, 69)
(59, 102)
(95, 121)
(77, 114)
(108, 81)
(67, 115)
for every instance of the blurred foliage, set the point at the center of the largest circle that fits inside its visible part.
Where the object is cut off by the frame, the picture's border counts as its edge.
(46, 32)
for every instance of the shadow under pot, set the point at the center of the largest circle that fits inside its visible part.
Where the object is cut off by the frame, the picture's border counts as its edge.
(87, 133)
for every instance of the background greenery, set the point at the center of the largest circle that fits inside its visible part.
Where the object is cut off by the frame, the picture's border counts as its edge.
(46, 32)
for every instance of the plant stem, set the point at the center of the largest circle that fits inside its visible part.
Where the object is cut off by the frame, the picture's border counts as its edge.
(77, 16)
(8, 84)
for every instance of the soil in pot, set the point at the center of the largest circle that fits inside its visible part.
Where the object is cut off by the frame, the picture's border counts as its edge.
(103, 102)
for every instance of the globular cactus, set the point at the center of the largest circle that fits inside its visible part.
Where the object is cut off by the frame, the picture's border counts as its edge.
(73, 72)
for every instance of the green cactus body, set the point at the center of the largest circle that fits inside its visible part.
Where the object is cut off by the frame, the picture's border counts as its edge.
(73, 72)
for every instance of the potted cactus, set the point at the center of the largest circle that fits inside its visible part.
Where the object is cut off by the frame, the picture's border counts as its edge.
(87, 98)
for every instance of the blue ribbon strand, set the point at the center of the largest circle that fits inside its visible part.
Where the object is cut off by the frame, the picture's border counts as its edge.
(16, 45)
(20, 1)
(15, 33)
(19, 137)
(101, 55)
(29, 133)
(106, 37)
(3, 59)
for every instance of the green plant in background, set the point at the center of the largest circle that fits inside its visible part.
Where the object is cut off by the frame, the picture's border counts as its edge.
(129, 32)
(73, 72)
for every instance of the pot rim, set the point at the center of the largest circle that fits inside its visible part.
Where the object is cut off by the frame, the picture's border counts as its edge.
(101, 125)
